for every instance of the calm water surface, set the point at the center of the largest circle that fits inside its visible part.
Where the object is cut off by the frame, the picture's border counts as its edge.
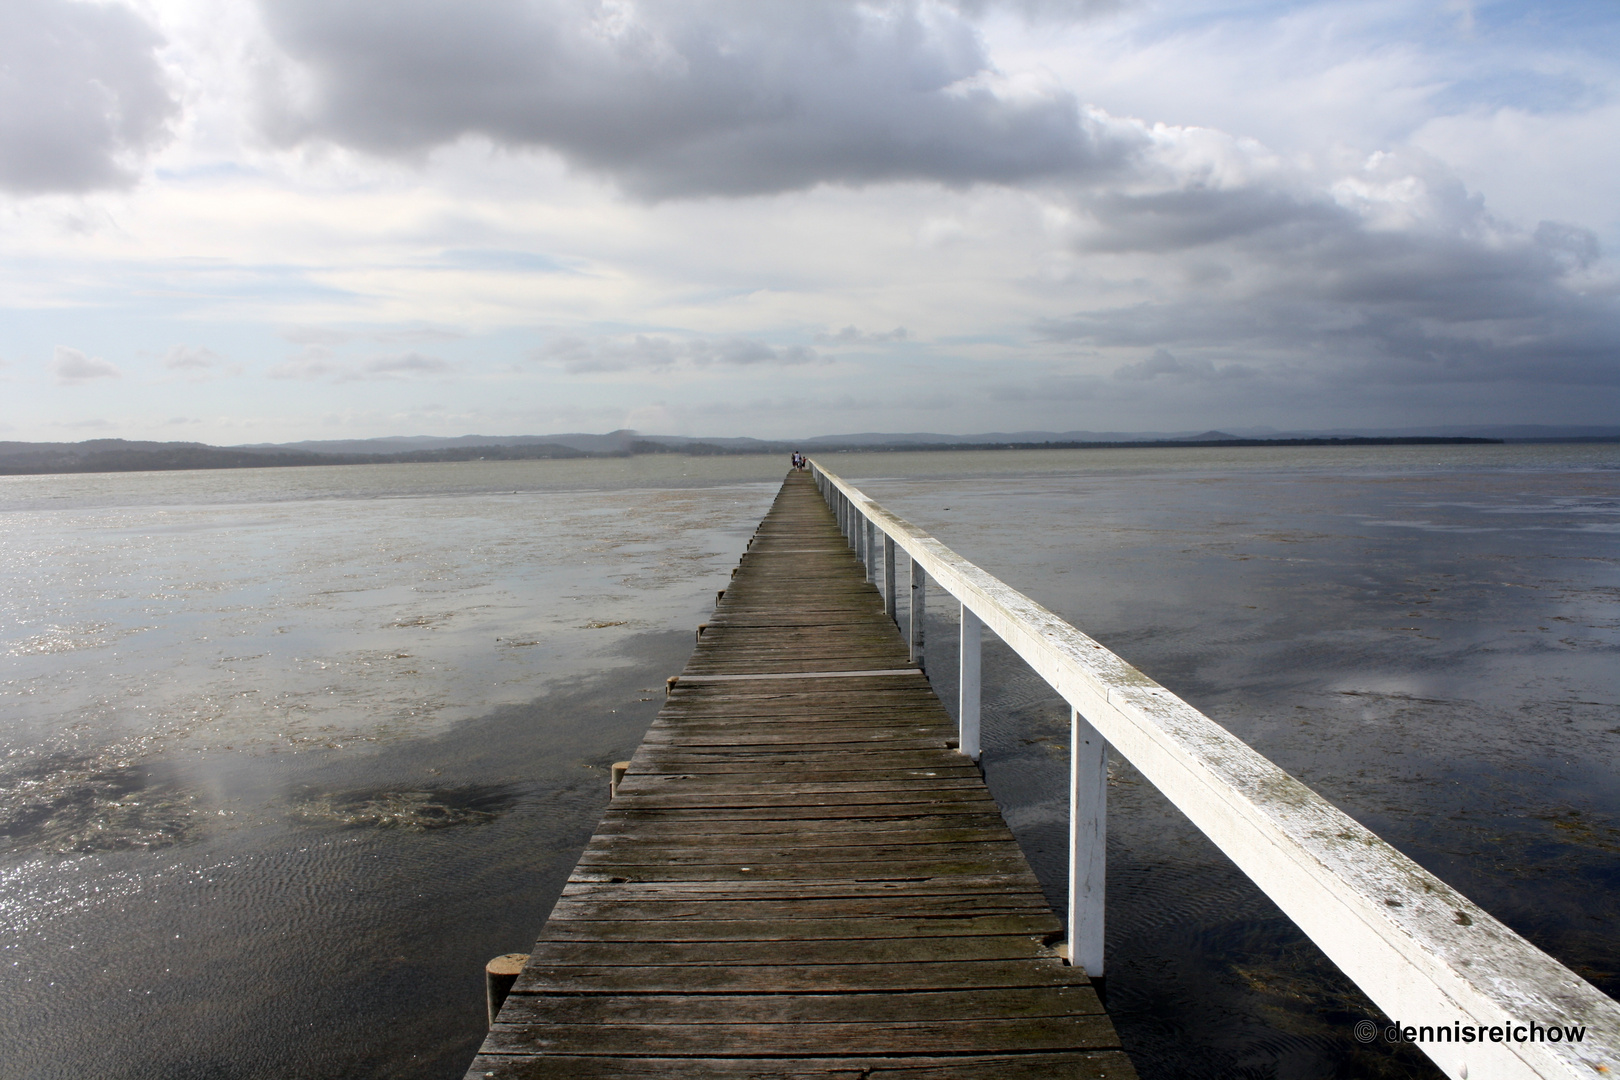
(285, 755)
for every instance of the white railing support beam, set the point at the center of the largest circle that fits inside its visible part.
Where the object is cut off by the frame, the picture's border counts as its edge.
(967, 698)
(917, 619)
(1088, 833)
(889, 549)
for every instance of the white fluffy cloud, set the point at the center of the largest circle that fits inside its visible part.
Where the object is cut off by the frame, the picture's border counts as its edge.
(72, 366)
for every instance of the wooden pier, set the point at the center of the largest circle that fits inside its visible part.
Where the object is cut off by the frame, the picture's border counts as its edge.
(801, 875)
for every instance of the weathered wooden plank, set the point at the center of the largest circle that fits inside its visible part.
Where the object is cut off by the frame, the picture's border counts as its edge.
(714, 771)
(1085, 1065)
(714, 926)
(923, 798)
(895, 829)
(866, 758)
(855, 739)
(874, 690)
(968, 887)
(615, 909)
(799, 953)
(755, 784)
(799, 732)
(863, 812)
(875, 1008)
(794, 978)
(1086, 1031)
(898, 682)
(679, 853)
(791, 839)
(1012, 869)
(832, 848)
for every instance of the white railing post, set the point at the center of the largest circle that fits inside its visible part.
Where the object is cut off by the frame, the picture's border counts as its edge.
(888, 575)
(967, 714)
(1088, 832)
(871, 560)
(919, 602)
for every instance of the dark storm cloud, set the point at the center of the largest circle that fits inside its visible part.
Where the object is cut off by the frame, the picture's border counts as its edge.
(82, 97)
(1419, 286)
(705, 97)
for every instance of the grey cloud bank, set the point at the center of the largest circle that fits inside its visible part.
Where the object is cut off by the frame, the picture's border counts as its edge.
(1397, 274)
(723, 97)
(660, 354)
(82, 97)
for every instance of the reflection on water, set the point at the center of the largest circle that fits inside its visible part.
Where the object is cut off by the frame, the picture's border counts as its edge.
(286, 755)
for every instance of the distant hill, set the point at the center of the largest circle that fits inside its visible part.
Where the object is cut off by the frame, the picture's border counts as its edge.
(121, 455)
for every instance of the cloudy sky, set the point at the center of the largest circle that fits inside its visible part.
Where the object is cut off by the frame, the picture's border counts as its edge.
(235, 222)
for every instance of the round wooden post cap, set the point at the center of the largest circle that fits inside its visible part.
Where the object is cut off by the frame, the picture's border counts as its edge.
(507, 964)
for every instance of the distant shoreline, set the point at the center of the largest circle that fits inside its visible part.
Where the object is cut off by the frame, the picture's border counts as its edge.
(105, 456)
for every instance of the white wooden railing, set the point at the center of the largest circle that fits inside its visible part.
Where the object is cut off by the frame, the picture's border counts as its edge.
(1426, 954)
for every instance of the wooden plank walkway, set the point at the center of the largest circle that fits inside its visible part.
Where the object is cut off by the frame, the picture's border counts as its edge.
(801, 876)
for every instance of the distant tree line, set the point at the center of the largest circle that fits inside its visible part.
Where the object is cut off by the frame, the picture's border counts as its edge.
(118, 455)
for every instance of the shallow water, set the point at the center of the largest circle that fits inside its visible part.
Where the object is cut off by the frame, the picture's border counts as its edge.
(285, 755)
